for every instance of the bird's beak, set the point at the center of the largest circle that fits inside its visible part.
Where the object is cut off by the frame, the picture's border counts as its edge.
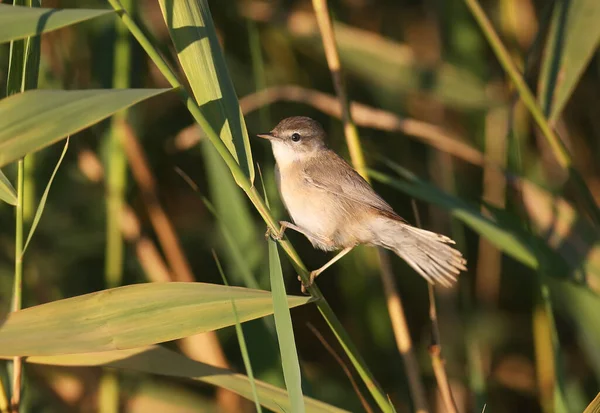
(268, 135)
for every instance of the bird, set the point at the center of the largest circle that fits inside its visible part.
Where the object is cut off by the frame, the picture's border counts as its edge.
(336, 209)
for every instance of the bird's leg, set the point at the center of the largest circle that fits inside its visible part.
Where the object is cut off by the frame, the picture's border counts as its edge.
(285, 225)
(314, 274)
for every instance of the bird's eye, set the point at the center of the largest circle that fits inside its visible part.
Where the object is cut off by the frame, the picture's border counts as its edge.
(296, 137)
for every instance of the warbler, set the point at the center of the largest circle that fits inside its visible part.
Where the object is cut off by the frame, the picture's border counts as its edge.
(336, 209)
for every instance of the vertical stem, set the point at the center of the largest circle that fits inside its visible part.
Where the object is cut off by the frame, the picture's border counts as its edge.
(116, 185)
(333, 60)
(18, 287)
(117, 165)
(29, 189)
(394, 302)
(22, 75)
(435, 349)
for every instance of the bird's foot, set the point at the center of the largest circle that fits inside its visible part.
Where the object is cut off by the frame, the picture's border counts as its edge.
(274, 235)
(311, 279)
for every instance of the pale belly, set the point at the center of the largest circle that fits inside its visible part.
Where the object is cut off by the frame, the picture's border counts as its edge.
(319, 213)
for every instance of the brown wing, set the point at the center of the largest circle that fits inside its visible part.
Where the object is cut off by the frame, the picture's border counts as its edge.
(329, 172)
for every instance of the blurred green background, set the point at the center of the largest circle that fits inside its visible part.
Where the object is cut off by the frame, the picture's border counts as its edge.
(422, 64)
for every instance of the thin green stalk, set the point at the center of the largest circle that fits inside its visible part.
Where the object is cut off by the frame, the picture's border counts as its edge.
(108, 401)
(260, 206)
(22, 75)
(29, 188)
(18, 286)
(117, 164)
(556, 144)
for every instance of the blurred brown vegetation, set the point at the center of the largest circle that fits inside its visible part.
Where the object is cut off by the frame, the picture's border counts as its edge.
(429, 94)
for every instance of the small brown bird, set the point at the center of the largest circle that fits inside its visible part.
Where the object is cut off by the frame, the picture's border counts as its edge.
(335, 208)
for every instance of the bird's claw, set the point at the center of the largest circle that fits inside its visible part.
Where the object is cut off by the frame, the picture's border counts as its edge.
(274, 235)
(311, 279)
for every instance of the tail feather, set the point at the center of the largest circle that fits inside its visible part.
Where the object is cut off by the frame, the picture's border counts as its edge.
(429, 254)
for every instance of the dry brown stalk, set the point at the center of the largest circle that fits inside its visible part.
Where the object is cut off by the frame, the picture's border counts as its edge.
(363, 115)
(397, 317)
(435, 349)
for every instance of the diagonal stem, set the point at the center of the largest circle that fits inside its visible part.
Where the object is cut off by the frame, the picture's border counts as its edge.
(258, 202)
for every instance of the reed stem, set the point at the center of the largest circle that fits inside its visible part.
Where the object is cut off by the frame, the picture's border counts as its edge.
(108, 400)
(252, 193)
(17, 298)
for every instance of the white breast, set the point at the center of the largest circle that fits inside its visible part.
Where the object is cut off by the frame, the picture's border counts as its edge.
(305, 204)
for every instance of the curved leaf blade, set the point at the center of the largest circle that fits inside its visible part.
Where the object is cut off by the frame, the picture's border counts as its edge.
(42, 204)
(130, 316)
(192, 30)
(7, 191)
(159, 360)
(18, 22)
(29, 121)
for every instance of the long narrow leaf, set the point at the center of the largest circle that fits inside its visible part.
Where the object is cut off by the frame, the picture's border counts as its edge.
(192, 30)
(574, 38)
(18, 22)
(567, 242)
(285, 332)
(7, 191)
(497, 235)
(159, 360)
(130, 316)
(42, 204)
(30, 121)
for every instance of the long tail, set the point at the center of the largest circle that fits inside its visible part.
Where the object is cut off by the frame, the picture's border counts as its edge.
(426, 252)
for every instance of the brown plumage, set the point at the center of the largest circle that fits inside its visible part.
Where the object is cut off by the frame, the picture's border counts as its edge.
(336, 208)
